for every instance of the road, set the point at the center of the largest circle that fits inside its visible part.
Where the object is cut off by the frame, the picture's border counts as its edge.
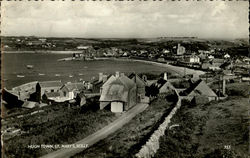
(99, 135)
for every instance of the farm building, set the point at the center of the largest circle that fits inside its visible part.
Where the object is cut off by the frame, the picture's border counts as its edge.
(97, 84)
(199, 90)
(110, 79)
(70, 90)
(50, 86)
(160, 88)
(140, 85)
(120, 94)
(24, 91)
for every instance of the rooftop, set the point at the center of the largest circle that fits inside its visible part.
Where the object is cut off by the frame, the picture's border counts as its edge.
(44, 84)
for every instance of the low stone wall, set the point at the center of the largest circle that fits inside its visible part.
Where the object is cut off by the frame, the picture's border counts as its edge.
(152, 145)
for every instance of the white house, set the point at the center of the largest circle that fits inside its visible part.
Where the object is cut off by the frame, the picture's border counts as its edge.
(227, 56)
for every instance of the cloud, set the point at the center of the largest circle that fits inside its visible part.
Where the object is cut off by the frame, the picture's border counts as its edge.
(184, 21)
(125, 19)
(218, 9)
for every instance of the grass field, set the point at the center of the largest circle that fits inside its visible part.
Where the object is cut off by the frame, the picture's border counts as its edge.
(127, 141)
(217, 129)
(57, 125)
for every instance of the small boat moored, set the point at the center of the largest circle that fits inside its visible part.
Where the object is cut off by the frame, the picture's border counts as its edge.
(30, 66)
(20, 76)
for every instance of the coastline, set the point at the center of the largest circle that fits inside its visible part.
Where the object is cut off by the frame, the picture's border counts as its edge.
(177, 69)
(43, 51)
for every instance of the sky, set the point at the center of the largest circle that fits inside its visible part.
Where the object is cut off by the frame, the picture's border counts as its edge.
(127, 19)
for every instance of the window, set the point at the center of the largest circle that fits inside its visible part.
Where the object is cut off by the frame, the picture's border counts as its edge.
(64, 93)
(52, 90)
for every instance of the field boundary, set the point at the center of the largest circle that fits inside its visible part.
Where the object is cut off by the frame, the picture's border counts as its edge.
(153, 144)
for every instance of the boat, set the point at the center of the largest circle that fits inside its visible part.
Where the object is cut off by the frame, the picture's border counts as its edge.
(57, 75)
(30, 66)
(20, 76)
(70, 75)
(80, 74)
(40, 74)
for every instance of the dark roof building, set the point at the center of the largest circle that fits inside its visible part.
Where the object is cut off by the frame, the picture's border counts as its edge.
(200, 89)
(140, 85)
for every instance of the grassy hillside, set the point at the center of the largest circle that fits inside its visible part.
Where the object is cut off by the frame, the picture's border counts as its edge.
(127, 141)
(218, 129)
(57, 125)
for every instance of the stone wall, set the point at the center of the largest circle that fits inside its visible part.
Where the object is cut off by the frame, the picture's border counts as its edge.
(152, 145)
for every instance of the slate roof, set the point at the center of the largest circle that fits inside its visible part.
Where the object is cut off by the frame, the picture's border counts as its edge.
(139, 82)
(29, 104)
(52, 94)
(199, 88)
(159, 83)
(110, 79)
(45, 84)
(218, 60)
(74, 86)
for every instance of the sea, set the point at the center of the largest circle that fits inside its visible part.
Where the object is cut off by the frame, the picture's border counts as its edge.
(45, 67)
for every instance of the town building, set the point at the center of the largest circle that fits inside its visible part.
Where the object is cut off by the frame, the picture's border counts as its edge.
(53, 96)
(180, 50)
(226, 56)
(193, 59)
(50, 86)
(70, 90)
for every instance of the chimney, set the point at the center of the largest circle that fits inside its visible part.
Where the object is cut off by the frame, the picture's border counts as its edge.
(144, 78)
(196, 77)
(104, 78)
(100, 76)
(224, 87)
(117, 74)
(165, 76)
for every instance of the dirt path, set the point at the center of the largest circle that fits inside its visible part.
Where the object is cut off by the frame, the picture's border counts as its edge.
(101, 134)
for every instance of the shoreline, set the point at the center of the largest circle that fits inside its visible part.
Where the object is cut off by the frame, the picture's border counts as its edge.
(179, 70)
(42, 52)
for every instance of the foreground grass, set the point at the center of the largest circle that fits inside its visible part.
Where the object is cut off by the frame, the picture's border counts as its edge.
(218, 129)
(127, 141)
(57, 125)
